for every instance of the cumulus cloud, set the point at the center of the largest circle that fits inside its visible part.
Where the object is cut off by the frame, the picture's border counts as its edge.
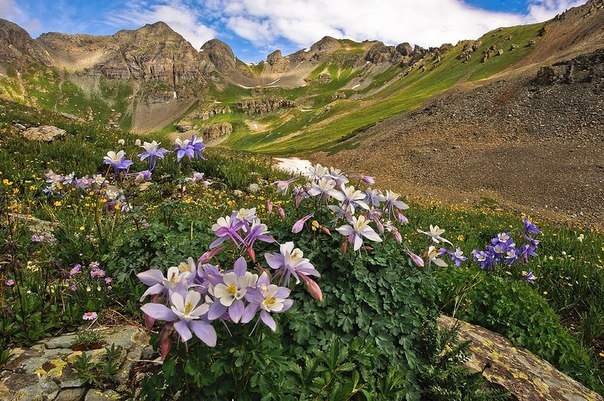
(252, 26)
(541, 10)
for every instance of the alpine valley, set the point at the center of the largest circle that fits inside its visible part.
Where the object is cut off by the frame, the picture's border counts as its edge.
(514, 118)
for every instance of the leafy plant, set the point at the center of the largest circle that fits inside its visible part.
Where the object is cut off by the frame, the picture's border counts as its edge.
(99, 372)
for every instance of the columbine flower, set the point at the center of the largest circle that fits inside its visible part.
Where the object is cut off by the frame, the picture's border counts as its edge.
(226, 228)
(175, 279)
(530, 277)
(229, 294)
(188, 310)
(374, 197)
(324, 186)
(183, 148)
(283, 185)
(266, 298)
(257, 232)
(117, 160)
(530, 228)
(89, 316)
(198, 147)
(349, 197)
(457, 256)
(435, 233)
(392, 202)
(415, 258)
(433, 256)
(356, 230)
(290, 261)
(484, 258)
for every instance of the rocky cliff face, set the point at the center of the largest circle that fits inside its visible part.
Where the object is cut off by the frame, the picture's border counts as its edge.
(153, 54)
(17, 48)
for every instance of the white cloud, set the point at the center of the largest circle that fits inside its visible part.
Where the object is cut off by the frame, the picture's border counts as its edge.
(540, 10)
(427, 23)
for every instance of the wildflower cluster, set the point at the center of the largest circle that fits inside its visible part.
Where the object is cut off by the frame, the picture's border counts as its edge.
(503, 249)
(57, 183)
(195, 294)
(88, 278)
(359, 210)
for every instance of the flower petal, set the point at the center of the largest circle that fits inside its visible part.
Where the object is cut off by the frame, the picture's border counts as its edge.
(204, 331)
(159, 311)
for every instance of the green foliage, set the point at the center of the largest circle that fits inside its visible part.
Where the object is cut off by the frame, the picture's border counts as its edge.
(86, 338)
(443, 376)
(100, 372)
(515, 310)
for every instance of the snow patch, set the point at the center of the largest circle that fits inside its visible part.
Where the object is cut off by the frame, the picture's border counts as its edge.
(294, 165)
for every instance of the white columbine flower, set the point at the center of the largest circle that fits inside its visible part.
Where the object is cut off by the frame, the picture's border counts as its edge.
(435, 233)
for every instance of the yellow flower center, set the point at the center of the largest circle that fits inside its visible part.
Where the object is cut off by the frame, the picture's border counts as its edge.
(269, 301)
(188, 308)
(232, 289)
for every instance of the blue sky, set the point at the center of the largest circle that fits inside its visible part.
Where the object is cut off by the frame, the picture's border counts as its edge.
(255, 28)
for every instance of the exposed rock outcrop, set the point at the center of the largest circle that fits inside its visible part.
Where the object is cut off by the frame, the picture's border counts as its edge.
(264, 105)
(522, 373)
(18, 49)
(44, 133)
(213, 131)
(277, 63)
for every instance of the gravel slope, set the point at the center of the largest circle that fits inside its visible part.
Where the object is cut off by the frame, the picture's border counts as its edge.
(532, 144)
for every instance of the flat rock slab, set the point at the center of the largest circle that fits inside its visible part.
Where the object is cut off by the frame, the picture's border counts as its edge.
(43, 372)
(516, 369)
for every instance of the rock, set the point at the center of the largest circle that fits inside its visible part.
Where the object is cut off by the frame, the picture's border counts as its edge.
(278, 64)
(263, 106)
(43, 372)
(519, 371)
(213, 131)
(98, 395)
(44, 133)
(71, 394)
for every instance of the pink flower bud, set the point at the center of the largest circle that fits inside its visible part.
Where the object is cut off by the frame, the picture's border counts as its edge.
(325, 230)
(415, 258)
(165, 342)
(299, 225)
(252, 254)
(269, 206)
(312, 287)
(281, 212)
(149, 321)
(205, 258)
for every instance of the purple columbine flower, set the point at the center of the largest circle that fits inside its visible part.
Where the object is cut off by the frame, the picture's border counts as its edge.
(530, 277)
(299, 225)
(188, 311)
(228, 295)
(226, 228)
(484, 258)
(183, 148)
(530, 228)
(457, 256)
(356, 230)
(198, 147)
(266, 298)
(152, 152)
(289, 262)
(118, 161)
